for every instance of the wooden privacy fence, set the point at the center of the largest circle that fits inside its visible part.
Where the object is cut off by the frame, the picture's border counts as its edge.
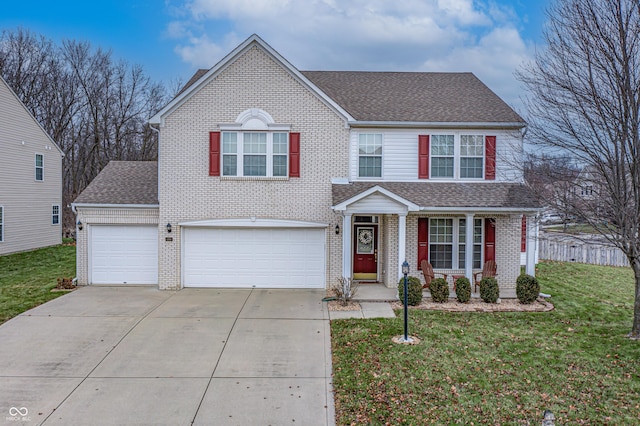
(570, 250)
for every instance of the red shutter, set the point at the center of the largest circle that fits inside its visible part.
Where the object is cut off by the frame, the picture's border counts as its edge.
(423, 239)
(523, 238)
(489, 239)
(294, 154)
(490, 158)
(214, 153)
(423, 157)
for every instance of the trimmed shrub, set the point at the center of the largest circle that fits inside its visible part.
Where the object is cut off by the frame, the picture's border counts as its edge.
(527, 289)
(463, 290)
(489, 291)
(414, 293)
(439, 290)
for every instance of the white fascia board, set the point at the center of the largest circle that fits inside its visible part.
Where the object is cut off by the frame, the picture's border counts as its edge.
(252, 222)
(75, 206)
(437, 124)
(345, 204)
(158, 119)
(480, 210)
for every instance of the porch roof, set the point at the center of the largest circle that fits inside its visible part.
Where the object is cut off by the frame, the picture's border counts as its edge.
(454, 195)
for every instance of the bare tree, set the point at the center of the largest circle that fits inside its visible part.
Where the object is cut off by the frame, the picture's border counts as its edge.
(94, 108)
(584, 101)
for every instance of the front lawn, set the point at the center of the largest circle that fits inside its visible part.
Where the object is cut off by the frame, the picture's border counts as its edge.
(26, 279)
(500, 368)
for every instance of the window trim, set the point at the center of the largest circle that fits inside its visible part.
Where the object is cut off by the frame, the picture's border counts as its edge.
(381, 156)
(457, 156)
(54, 215)
(240, 154)
(35, 163)
(455, 243)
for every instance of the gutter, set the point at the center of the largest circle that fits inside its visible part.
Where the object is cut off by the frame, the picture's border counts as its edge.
(439, 125)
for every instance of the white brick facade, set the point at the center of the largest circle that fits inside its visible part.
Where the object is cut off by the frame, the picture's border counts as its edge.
(188, 193)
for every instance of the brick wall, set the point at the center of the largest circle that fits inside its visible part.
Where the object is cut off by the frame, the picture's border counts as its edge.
(188, 193)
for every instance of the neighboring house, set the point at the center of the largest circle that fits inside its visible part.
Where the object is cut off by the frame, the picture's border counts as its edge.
(30, 179)
(273, 177)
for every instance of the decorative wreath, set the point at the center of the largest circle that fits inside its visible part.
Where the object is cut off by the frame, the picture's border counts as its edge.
(365, 236)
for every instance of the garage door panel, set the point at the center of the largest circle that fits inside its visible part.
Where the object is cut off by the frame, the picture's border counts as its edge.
(124, 254)
(260, 257)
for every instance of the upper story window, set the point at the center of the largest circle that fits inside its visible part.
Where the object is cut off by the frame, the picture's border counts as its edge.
(39, 167)
(254, 146)
(471, 156)
(55, 214)
(442, 156)
(255, 154)
(457, 156)
(370, 155)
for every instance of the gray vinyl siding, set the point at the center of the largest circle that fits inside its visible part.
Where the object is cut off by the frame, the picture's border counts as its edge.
(27, 203)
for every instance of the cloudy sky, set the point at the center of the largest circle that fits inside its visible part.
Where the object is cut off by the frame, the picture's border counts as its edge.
(173, 38)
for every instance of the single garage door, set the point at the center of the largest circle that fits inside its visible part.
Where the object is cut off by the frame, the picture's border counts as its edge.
(254, 257)
(123, 254)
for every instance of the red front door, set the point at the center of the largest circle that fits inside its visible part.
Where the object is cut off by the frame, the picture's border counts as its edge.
(365, 252)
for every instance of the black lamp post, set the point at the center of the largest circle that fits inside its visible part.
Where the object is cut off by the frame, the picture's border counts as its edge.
(405, 272)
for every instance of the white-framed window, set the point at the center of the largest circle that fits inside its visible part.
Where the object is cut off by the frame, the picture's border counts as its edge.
(39, 167)
(370, 155)
(477, 243)
(55, 214)
(447, 233)
(457, 156)
(1, 224)
(263, 154)
(442, 156)
(471, 156)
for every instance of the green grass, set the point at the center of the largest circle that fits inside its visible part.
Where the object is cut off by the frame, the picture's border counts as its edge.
(579, 228)
(499, 368)
(26, 279)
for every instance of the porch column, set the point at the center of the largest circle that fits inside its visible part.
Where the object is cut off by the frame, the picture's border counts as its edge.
(402, 242)
(468, 252)
(346, 245)
(532, 245)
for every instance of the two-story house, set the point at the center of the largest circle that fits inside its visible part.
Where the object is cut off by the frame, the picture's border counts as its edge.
(30, 179)
(268, 176)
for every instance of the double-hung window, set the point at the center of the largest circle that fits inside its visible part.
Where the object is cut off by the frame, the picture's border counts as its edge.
(370, 155)
(255, 154)
(477, 243)
(471, 156)
(442, 156)
(55, 214)
(39, 167)
(457, 156)
(447, 243)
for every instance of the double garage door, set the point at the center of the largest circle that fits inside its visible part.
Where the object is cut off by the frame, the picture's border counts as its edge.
(254, 257)
(212, 257)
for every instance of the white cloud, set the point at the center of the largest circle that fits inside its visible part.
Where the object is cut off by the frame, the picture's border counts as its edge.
(406, 35)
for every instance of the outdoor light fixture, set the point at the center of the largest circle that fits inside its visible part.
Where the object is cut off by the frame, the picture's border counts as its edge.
(405, 268)
(168, 227)
(79, 226)
(337, 229)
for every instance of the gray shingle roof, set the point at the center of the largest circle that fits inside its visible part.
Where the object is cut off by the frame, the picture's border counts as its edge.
(414, 96)
(425, 97)
(123, 182)
(444, 194)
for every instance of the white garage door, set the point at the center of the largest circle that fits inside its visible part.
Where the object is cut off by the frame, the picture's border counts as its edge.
(124, 254)
(260, 257)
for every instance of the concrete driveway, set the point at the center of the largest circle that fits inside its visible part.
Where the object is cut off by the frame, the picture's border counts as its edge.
(137, 355)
